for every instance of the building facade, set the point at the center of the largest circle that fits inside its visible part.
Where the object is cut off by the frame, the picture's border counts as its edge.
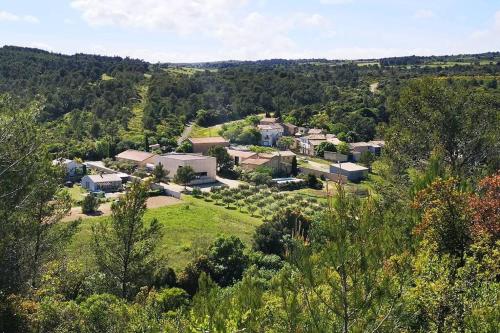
(205, 167)
(105, 182)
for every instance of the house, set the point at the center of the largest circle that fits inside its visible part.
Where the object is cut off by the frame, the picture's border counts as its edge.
(279, 160)
(290, 129)
(353, 172)
(137, 157)
(270, 133)
(204, 166)
(313, 131)
(308, 143)
(357, 148)
(71, 167)
(104, 182)
(377, 146)
(240, 155)
(202, 145)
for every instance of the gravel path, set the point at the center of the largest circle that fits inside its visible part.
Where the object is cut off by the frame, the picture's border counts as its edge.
(185, 133)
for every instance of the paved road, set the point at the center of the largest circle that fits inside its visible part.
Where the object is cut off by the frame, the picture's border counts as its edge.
(185, 133)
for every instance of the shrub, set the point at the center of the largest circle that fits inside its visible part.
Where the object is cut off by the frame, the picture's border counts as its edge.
(90, 204)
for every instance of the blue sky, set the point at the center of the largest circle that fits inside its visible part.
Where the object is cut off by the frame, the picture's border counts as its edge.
(208, 30)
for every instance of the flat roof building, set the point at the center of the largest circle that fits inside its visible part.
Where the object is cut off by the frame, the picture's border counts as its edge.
(205, 167)
(202, 145)
(104, 182)
(353, 172)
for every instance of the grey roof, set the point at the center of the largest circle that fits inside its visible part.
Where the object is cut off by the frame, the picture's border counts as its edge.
(348, 166)
(187, 157)
(104, 178)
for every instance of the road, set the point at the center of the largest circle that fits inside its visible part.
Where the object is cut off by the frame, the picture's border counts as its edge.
(185, 133)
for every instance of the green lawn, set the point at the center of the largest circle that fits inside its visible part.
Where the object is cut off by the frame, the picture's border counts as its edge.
(77, 193)
(189, 227)
(203, 132)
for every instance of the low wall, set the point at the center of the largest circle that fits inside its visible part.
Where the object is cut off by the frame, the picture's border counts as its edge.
(335, 157)
(318, 173)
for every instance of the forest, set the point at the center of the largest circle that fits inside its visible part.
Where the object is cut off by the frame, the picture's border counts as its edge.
(420, 253)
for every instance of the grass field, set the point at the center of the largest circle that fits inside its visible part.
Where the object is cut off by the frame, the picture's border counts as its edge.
(187, 70)
(203, 132)
(77, 193)
(188, 228)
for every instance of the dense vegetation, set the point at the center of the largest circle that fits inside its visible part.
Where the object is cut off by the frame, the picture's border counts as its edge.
(419, 255)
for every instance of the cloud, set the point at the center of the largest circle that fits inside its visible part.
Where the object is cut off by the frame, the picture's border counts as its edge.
(11, 17)
(180, 16)
(424, 14)
(243, 34)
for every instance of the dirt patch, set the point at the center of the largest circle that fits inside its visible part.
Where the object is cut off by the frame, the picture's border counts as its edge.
(105, 208)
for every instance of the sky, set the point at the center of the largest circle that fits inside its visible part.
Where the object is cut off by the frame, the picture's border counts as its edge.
(213, 30)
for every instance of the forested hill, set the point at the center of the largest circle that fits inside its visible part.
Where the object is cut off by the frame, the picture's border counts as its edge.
(96, 106)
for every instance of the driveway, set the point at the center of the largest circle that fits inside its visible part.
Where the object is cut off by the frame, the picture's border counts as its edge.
(185, 133)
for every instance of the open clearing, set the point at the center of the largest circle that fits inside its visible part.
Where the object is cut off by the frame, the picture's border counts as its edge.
(105, 208)
(189, 227)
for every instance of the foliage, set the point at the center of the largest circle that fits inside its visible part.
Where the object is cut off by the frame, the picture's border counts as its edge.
(225, 162)
(90, 204)
(160, 174)
(185, 175)
(125, 246)
(325, 146)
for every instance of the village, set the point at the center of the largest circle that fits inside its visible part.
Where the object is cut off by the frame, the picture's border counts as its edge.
(288, 158)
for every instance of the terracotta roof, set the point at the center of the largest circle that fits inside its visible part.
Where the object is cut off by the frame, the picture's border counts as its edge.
(240, 153)
(316, 137)
(135, 155)
(255, 161)
(211, 139)
(285, 153)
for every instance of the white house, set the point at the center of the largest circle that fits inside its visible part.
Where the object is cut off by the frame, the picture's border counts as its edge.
(204, 166)
(104, 182)
(270, 133)
(353, 172)
(71, 167)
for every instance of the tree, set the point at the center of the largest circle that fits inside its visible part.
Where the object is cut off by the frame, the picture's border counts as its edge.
(313, 182)
(227, 260)
(325, 146)
(125, 246)
(342, 281)
(160, 174)
(431, 114)
(285, 142)
(366, 158)
(485, 205)
(294, 169)
(343, 148)
(185, 175)
(90, 204)
(185, 147)
(225, 162)
(273, 237)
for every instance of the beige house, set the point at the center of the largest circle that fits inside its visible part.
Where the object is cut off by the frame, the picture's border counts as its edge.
(240, 155)
(279, 160)
(353, 172)
(204, 166)
(137, 157)
(269, 121)
(202, 145)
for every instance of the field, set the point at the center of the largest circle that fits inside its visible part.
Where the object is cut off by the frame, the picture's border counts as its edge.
(189, 227)
(203, 132)
(77, 193)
